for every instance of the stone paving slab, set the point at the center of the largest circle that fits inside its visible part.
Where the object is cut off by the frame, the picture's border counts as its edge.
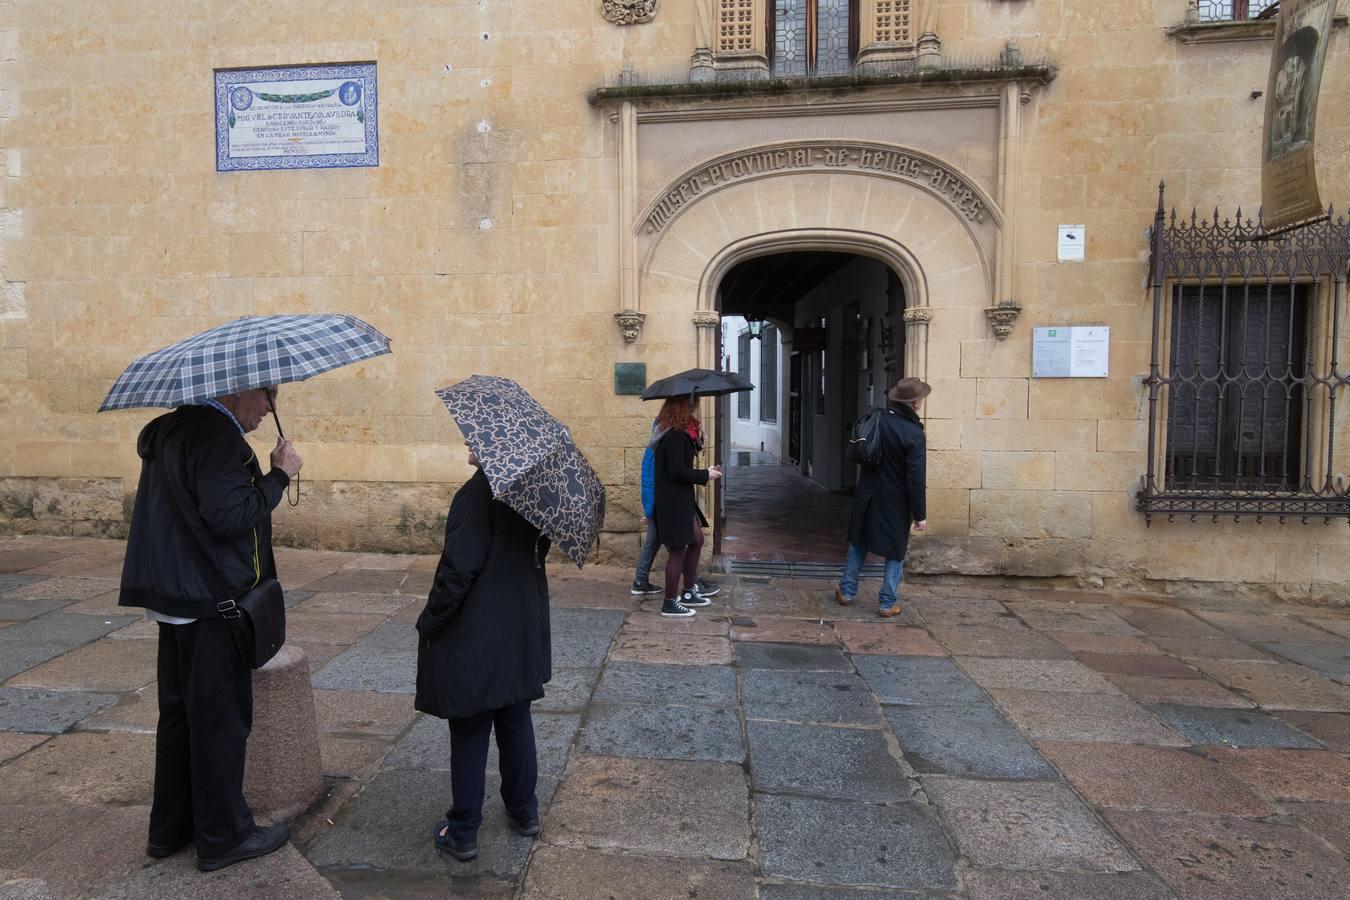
(370, 669)
(654, 647)
(325, 627)
(641, 683)
(886, 639)
(363, 581)
(797, 657)
(1025, 825)
(714, 626)
(1169, 622)
(1084, 717)
(1060, 676)
(15, 610)
(663, 732)
(361, 884)
(1087, 642)
(1185, 691)
(1272, 685)
(995, 885)
(14, 582)
(1261, 629)
(100, 848)
(351, 757)
(1063, 617)
(1290, 774)
(363, 712)
(389, 826)
(1193, 648)
(16, 658)
(817, 760)
(1122, 776)
(999, 641)
(973, 741)
(1329, 821)
(564, 873)
(1331, 730)
(1136, 664)
(61, 629)
(14, 744)
(101, 666)
(1232, 727)
(935, 611)
(829, 697)
(666, 807)
(1331, 660)
(839, 842)
(1210, 858)
(285, 873)
(568, 691)
(786, 890)
(65, 588)
(82, 769)
(363, 604)
(426, 746)
(48, 712)
(779, 630)
(139, 630)
(135, 711)
(919, 681)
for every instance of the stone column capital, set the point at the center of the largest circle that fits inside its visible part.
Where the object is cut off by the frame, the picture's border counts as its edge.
(707, 318)
(630, 324)
(918, 315)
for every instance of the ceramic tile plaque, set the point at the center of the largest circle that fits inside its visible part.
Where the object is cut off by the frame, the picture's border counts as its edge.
(297, 117)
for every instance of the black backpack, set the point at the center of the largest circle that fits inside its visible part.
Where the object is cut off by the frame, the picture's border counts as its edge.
(864, 438)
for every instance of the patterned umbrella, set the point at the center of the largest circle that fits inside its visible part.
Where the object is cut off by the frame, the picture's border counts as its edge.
(530, 460)
(248, 353)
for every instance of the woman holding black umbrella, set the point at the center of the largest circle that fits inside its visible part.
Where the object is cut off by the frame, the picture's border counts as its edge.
(679, 522)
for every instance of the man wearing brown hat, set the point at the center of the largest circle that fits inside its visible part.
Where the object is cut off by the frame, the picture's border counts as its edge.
(890, 497)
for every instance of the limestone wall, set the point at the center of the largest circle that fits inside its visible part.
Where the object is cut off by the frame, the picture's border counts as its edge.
(486, 242)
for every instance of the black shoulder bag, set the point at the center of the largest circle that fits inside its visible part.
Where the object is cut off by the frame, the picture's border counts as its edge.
(257, 620)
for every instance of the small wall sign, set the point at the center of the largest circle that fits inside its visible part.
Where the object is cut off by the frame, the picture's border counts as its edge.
(297, 117)
(1072, 243)
(630, 378)
(1076, 351)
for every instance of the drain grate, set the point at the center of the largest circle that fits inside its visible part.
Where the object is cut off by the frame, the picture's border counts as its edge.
(794, 569)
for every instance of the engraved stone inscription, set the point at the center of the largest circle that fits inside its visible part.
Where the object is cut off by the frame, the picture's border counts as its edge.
(957, 191)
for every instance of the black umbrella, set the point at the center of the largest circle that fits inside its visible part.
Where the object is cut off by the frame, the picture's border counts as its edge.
(697, 383)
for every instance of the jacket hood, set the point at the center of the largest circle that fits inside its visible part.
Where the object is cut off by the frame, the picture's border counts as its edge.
(149, 439)
(657, 433)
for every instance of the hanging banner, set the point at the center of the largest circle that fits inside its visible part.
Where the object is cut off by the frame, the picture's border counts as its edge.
(297, 117)
(1288, 170)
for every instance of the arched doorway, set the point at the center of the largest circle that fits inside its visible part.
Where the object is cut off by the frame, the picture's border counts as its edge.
(821, 334)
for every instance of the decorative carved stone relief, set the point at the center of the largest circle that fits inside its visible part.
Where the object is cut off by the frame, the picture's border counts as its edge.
(630, 324)
(918, 314)
(707, 318)
(1003, 317)
(628, 12)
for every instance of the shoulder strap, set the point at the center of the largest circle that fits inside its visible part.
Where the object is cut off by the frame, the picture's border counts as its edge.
(190, 525)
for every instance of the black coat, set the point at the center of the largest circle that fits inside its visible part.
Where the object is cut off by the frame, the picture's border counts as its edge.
(484, 634)
(674, 505)
(202, 451)
(890, 497)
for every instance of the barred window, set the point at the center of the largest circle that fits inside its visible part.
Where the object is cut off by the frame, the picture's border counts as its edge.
(1232, 10)
(812, 37)
(736, 26)
(893, 21)
(743, 367)
(768, 375)
(1248, 383)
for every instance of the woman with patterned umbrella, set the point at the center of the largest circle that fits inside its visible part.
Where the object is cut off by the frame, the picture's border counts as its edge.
(484, 651)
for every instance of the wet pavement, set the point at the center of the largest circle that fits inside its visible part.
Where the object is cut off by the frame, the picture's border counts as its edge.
(776, 513)
(988, 743)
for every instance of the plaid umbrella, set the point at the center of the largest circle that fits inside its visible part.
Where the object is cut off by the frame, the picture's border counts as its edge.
(248, 353)
(530, 460)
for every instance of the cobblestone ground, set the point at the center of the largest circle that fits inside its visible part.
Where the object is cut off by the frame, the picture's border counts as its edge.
(990, 743)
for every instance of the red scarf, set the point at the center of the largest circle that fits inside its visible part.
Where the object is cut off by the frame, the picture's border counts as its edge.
(693, 429)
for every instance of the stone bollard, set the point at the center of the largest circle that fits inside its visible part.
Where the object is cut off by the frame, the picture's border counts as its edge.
(283, 774)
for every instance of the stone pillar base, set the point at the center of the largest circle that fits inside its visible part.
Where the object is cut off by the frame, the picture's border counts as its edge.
(283, 774)
(878, 58)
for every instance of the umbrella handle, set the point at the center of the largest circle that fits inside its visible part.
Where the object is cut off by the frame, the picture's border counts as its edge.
(281, 434)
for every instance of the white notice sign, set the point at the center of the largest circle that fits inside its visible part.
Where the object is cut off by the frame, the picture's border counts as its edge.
(1077, 351)
(1072, 243)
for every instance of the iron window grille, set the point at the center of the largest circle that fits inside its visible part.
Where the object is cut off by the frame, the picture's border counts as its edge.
(768, 375)
(743, 368)
(1231, 10)
(1247, 395)
(812, 37)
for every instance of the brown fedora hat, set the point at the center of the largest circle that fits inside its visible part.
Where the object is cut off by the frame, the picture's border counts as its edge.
(907, 390)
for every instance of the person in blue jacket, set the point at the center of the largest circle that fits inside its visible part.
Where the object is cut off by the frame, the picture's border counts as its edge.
(647, 555)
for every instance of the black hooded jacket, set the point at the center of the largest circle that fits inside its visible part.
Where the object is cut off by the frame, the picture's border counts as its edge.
(202, 451)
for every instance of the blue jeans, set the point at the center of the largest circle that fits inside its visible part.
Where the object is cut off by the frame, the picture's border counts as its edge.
(848, 582)
(647, 555)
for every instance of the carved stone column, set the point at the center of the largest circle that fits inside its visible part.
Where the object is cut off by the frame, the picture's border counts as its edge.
(916, 341)
(739, 48)
(701, 65)
(707, 321)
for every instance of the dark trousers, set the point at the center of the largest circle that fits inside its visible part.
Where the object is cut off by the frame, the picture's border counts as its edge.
(468, 768)
(205, 714)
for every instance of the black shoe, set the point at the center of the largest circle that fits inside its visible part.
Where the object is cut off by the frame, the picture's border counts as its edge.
(161, 851)
(675, 609)
(690, 598)
(261, 841)
(528, 828)
(703, 589)
(646, 587)
(461, 852)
